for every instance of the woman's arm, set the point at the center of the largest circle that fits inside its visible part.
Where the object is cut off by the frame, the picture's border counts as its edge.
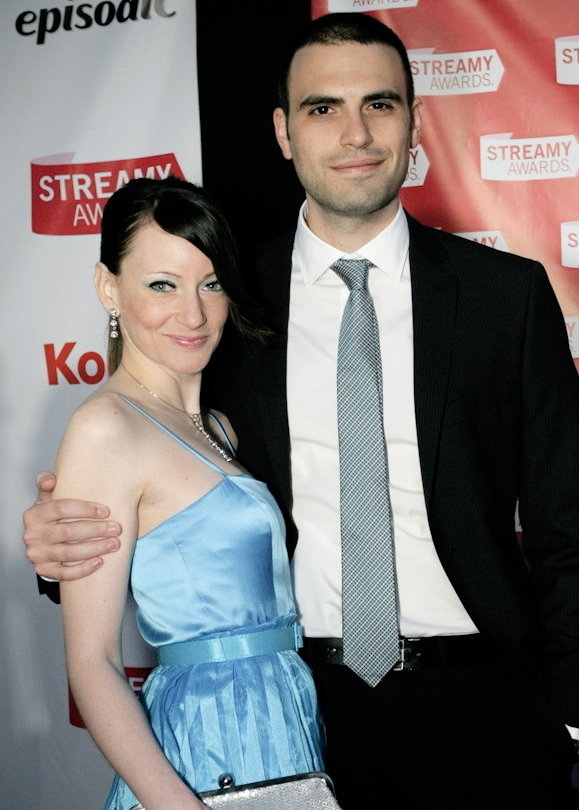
(53, 531)
(99, 460)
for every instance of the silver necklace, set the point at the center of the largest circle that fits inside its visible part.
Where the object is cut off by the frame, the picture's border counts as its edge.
(196, 418)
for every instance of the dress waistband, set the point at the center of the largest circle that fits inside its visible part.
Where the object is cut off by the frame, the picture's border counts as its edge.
(228, 648)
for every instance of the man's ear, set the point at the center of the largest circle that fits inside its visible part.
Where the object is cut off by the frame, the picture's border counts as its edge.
(281, 133)
(416, 123)
(106, 286)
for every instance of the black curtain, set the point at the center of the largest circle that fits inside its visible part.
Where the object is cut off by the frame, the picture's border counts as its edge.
(238, 47)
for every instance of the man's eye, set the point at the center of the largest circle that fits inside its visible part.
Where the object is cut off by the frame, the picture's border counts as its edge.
(323, 109)
(381, 105)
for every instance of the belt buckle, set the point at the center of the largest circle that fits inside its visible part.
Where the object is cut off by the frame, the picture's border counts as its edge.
(298, 636)
(409, 656)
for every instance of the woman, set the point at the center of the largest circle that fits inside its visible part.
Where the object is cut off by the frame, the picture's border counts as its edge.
(203, 543)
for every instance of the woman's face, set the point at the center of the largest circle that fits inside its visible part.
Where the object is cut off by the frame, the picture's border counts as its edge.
(172, 308)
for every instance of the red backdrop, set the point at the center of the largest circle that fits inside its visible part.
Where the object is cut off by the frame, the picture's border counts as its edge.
(491, 67)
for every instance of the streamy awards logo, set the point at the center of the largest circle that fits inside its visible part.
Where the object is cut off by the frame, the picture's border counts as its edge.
(573, 331)
(447, 74)
(418, 166)
(551, 157)
(567, 59)
(570, 244)
(494, 239)
(369, 5)
(67, 199)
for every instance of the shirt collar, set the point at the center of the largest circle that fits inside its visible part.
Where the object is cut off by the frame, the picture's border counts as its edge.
(387, 251)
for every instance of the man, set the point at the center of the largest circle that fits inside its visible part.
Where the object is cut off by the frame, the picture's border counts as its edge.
(480, 409)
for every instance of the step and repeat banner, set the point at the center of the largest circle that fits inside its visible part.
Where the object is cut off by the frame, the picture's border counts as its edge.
(498, 157)
(92, 94)
(95, 93)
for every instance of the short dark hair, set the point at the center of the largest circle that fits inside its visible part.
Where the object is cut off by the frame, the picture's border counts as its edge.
(182, 209)
(333, 29)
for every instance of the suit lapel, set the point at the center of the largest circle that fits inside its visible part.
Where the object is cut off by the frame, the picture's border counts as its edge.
(434, 291)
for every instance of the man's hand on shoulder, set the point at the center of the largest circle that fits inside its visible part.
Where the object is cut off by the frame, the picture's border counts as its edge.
(65, 539)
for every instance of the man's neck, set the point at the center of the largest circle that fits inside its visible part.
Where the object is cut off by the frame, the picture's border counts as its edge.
(348, 233)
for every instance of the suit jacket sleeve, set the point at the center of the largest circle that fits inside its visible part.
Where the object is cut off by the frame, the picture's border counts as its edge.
(549, 496)
(51, 589)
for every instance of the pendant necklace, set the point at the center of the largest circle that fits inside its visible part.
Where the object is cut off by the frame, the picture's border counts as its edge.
(196, 418)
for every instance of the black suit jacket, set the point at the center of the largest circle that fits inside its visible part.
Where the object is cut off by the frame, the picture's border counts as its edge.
(497, 414)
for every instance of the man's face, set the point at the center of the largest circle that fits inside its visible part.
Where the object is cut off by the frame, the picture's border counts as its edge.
(349, 130)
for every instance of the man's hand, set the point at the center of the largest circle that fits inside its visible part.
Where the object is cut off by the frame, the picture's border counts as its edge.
(67, 531)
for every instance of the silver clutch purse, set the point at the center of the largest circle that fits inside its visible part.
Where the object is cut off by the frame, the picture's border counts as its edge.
(308, 791)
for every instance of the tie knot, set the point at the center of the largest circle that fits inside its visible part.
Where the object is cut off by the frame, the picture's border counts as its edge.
(353, 272)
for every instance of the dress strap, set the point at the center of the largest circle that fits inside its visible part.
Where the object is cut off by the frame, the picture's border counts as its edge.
(228, 648)
(221, 427)
(178, 439)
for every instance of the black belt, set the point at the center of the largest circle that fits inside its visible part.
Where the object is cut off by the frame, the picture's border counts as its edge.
(428, 652)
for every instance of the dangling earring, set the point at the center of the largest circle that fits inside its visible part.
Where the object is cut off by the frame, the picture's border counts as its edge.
(113, 323)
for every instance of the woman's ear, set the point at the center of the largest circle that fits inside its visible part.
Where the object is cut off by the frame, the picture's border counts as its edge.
(106, 286)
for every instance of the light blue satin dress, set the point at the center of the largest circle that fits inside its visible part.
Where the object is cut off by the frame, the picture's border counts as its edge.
(220, 568)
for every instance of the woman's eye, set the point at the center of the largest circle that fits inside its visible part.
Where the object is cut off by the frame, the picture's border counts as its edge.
(161, 286)
(213, 286)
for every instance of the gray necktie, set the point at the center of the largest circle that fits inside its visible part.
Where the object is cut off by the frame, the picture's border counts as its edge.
(369, 601)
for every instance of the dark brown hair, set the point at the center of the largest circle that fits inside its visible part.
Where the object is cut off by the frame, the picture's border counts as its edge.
(333, 29)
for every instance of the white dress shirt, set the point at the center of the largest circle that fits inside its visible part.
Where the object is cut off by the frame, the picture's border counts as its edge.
(428, 603)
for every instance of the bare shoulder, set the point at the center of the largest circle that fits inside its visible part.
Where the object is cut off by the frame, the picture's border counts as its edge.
(100, 456)
(103, 419)
(103, 411)
(225, 425)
